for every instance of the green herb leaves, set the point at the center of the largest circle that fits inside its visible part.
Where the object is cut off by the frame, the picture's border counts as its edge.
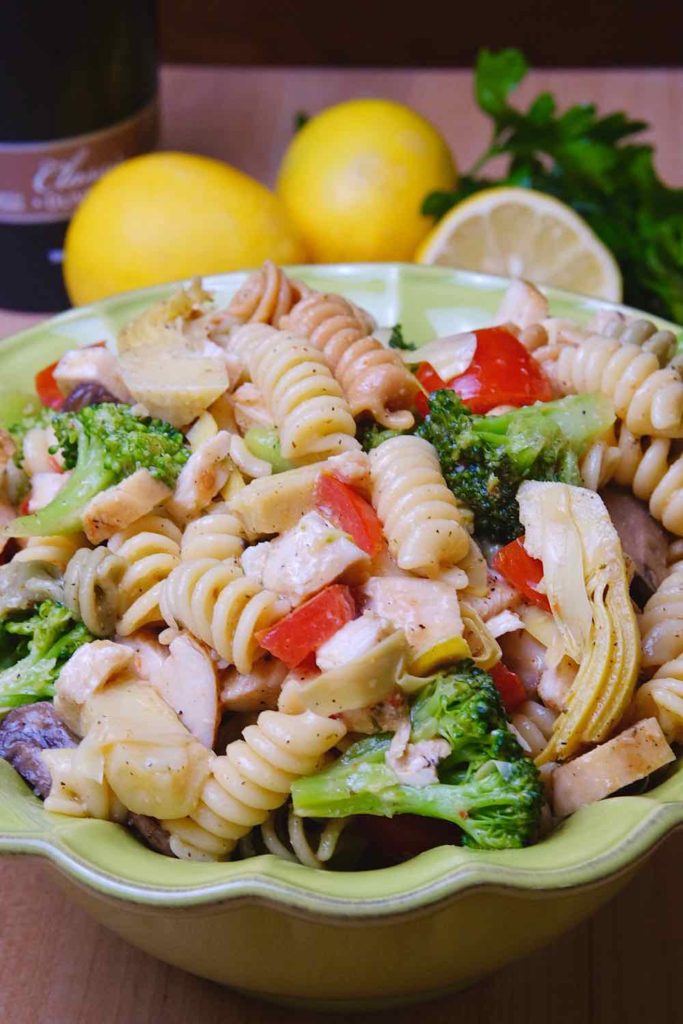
(591, 163)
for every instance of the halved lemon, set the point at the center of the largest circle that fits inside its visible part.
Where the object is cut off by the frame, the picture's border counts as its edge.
(518, 232)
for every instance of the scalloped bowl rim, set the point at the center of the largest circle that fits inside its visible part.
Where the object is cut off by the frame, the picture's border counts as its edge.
(608, 839)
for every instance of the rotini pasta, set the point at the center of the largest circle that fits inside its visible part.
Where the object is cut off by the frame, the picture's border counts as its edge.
(217, 534)
(662, 697)
(56, 550)
(151, 550)
(374, 378)
(635, 331)
(661, 623)
(218, 604)
(91, 588)
(420, 516)
(533, 723)
(599, 464)
(301, 842)
(648, 399)
(306, 402)
(652, 468)
(251, 779)
(266, 296)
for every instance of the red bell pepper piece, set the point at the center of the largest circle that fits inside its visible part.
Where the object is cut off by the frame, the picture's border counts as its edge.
(301, 632)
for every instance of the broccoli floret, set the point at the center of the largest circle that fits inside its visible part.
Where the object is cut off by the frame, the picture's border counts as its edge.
(485, 458)
(463, 706)
(486, 785)
(371, 434)
(33, 649)
(496, 805)
(103, 444)
(34, 415)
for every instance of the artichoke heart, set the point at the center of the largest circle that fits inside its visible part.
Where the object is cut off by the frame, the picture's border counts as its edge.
(586, 581)
(358, 683)
(163, 323)
(168, 363)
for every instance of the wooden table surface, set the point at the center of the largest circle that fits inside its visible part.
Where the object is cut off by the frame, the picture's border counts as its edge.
(622, 967)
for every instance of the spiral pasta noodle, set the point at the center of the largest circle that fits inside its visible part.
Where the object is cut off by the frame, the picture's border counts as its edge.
(251, 779)
(266, 296)
(598, 464)
(151, 550)
(421, 520)
(91, 583)
(533, 723)
(299, 844)
(636, 331)
(218, 604)
(648, 399)
(56, 550)
(375, 379)
(652, 469)
(217, 534)
(661, 622)
(662, 697)
(302, 395)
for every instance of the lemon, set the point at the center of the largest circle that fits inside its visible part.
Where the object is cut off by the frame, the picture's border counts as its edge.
(518, 232)
(166, 216)
(354, 178)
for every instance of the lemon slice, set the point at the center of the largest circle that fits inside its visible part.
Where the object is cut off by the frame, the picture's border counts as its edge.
(518, 232)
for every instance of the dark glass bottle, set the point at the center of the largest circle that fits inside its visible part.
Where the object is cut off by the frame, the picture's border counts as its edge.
(78, 84)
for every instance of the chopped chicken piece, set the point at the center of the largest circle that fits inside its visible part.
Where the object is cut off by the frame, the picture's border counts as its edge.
(427, 610)
(149, 655)
(305, 559)
(522, 304)
(95, 364)
(44, 488)
(85, 672)
(201, 478)
(504, 622)
(354, 639)
(257, 690)
(501, 597)
(37, 457)
(630, 756)
(555, 683)
(190, 687)
(414, 764)
(120, 505)
(351, 467)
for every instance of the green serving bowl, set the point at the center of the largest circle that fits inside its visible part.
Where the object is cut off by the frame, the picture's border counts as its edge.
(324, 939)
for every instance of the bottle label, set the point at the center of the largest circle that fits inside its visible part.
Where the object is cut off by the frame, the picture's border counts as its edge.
(43, 182)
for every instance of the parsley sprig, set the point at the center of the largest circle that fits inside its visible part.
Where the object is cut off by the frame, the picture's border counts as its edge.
(591, 163)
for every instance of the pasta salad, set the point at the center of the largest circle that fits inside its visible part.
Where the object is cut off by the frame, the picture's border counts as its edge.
(275, 580)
